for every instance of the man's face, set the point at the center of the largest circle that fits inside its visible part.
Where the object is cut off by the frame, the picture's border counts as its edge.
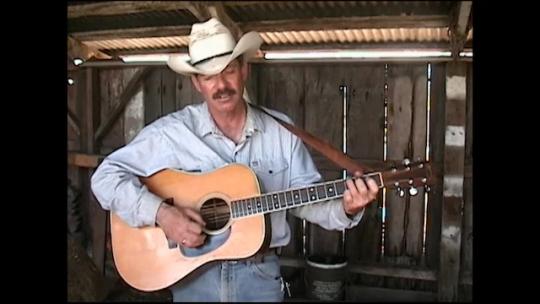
(223, 91)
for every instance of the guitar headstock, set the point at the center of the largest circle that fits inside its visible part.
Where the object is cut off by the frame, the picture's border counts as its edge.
(408, 176)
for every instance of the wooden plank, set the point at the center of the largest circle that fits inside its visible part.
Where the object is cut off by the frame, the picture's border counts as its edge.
(168, 94)
(344, 23)
(466, 269)
(186, 93)
(252, 84)
(365, 140)
(96, 215)
(152, 96)
(73, 121)
(111, 83)
(437, 130)
(134, 116)
(108, 8)
(130, 89)
(454, 159)
(406, 139)
(84, 160)
(323, 118)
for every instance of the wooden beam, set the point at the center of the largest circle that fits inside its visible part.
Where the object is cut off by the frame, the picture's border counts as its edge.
(462, 17)
(454, 162)
(73, 121)
(77, 49)
(199, 11)
(140, 32)
(459, 26)
(332, 23)
(218, 11)
(130, 90)
(84, 160)
(107, 8)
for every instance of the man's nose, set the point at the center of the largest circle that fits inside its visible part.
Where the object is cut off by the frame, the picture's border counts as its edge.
(220, 81)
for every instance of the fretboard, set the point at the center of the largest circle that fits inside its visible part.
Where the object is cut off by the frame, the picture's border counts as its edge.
(292, 198)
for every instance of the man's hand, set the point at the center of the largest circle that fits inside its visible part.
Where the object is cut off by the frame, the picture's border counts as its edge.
(182, 225)
(358, 194)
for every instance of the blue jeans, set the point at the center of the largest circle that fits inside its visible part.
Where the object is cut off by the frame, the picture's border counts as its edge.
(232, 281)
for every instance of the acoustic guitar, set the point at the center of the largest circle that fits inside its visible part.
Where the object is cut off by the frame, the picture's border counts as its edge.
(230, 202)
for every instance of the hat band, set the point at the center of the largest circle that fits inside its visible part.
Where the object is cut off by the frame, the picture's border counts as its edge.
(206, 59)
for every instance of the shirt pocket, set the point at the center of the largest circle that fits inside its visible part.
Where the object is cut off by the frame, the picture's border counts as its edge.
(271, 173)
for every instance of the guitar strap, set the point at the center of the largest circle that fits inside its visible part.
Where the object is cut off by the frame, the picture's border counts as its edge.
(330, 152)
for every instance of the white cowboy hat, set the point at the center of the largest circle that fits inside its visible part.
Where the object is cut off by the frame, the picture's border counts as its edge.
(212, 47)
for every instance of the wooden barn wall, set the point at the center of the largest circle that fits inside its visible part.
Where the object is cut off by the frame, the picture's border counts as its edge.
(310, 95)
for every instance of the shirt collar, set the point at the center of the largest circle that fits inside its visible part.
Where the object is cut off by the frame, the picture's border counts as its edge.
(207, 125)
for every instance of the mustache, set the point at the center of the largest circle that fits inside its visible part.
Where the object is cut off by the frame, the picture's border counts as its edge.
(227, 91)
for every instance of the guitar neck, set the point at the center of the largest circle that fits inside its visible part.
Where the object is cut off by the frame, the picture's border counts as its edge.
(292, 198)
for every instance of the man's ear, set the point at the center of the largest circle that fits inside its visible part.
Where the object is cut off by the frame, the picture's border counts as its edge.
(195, 82)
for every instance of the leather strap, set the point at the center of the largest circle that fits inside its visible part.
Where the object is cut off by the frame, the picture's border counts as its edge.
(333, 154)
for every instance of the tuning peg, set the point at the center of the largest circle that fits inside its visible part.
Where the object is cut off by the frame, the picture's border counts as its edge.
(400, 192)
(427, 188)
(413, 191)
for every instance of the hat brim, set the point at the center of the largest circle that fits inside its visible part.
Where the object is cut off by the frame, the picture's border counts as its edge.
(247, 46)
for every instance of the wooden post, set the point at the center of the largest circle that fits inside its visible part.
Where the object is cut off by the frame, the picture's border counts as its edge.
(97, 216)
(454, 161)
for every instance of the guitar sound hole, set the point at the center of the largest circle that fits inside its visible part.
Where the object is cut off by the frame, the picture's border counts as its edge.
(215, 213)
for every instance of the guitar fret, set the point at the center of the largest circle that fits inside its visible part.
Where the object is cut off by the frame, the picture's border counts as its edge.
(330, 190)
(233, 207)
(288, 196)
(282, 202)
(263, 202)
(241, 207)
(321, 192)
(270, 203)
(340, 187)
(259, 206)
(276, 201)
(312, 194)
(304, 195)
(296, 197)
(250, 210)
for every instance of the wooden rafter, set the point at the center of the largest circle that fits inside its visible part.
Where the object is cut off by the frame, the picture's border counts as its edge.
(77, 49)
(199, 11)
(218, 11)
(108, 8)
(462, 17)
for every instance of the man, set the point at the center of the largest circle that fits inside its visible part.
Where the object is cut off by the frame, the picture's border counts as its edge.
(223, 129)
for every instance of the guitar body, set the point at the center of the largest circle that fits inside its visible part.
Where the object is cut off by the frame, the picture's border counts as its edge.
(143, 256)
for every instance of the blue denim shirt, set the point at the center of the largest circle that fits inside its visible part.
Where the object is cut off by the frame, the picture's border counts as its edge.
(189, 140)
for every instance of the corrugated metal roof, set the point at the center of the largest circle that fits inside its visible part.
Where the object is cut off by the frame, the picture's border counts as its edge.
(356, 36)
(280, 23)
